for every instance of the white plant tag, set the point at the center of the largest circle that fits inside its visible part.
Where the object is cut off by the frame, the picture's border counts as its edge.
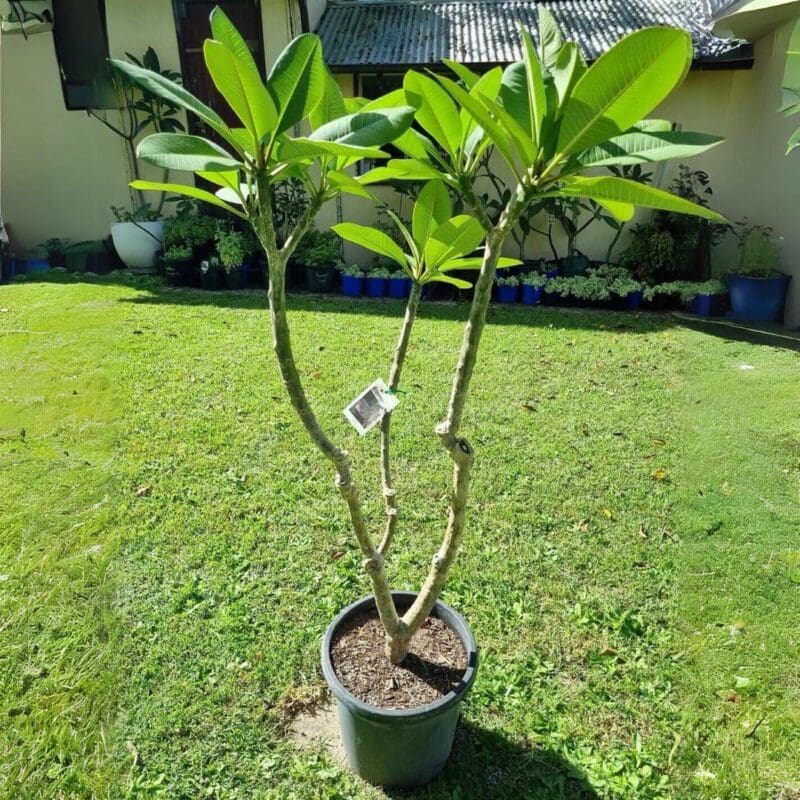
(366, 411)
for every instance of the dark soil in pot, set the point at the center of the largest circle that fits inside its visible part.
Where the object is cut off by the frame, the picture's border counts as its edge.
(434, 666)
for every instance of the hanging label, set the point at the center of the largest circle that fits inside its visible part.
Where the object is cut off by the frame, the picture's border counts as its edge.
(366, 411)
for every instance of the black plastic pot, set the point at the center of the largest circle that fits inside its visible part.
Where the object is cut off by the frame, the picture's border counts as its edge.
(319, 278)
(210, 275)
(180, 272)
(234, 277)
(398, 747)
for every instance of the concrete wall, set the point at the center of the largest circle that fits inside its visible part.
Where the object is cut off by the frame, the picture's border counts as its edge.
(61, 170)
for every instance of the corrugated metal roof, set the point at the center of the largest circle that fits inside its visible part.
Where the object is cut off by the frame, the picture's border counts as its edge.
(361, 34)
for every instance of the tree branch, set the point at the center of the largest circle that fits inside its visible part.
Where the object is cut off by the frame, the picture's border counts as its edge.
(389, 496)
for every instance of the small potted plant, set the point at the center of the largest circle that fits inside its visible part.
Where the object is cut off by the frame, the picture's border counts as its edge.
(320, 260)
(352, 279)
(138, 235)
(507, 289)
(178, 265)
(36, 261)
(757, 288)
(533, 284)
(211, 274)
(376, 281)
(399, 285)
(231, 251)
(625, 291)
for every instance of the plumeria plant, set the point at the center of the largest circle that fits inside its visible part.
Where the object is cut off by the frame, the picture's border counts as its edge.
(549, 117)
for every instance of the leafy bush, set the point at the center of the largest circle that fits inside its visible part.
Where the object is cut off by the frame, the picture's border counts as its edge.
(597, 285)
(534, 279)
(178, 252)
(379, 272)
(351, 270)
(650, 254)
(759, 253)
(230, 247)
(318, 248)
(686, 291)
(510, 280)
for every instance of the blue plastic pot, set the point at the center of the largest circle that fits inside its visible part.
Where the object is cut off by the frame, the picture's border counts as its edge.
(707, 305)
(399, 287)
(36, 265)
(400, 748)
(376, 287)
(507, 294)
(352, 285)
(10, 269)
(551, 273)
(758, 299)
(633, 301)
(531, 295)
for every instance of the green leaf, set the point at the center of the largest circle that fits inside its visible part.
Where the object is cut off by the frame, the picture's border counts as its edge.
(367, 128)
(487, 86)
(438, 277)
(431, 209)
(303, 148)
(458, 236)
(476, 262)
(537, 102)
(550, 38)
(402, 169)
(297, 80)
(221, 66)
(625, 84)
(188, 191)
(567, 70)
(262, 110)
(464, 74)
(514, 95)
(520, 137)
(185, 152)
(641, 147)
(411, 142)
(621, 190)
(436, 111)
(371, 239)
(621, 212)
(331, 106)
(476, 108)
(791, 74)
(174, 93)
(349, 185)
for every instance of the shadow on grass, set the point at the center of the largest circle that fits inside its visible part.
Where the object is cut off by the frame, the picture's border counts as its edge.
(446, 310)
(487, 764)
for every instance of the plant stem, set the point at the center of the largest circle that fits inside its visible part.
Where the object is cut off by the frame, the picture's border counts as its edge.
(459, 449)
(390, 498)
(276, 259)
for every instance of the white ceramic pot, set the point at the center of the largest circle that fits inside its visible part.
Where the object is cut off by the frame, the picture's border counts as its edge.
(137, 243)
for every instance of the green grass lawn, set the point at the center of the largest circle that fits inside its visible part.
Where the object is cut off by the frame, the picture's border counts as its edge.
(171, 547)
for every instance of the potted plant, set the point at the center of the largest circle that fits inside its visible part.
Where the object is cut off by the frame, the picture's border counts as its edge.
(532, 286)
(404, 739)
(231, 251)
(376, 281)
(178, 265)
(36, 261)
(399, 285)
(507, 289)
(352, 279)
(320, 260)
(138, 236)
(137, 231)
(56, 251)
(757, 288)
(211, 274)
(625, 291)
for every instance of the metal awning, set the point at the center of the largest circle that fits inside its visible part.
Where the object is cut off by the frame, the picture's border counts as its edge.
(365, 35)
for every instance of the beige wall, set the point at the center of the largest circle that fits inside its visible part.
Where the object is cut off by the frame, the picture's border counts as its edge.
(61, 171)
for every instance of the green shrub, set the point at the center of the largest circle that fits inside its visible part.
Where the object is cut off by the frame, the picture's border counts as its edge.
(759, 253)
(509, 280)
(230, 248)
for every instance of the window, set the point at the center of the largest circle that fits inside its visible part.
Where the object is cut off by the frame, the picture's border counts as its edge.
(81, 45)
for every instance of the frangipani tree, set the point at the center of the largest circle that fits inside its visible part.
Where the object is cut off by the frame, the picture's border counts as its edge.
(549, 117)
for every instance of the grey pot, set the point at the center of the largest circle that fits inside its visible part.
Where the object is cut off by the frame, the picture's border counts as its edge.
(401, 748)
